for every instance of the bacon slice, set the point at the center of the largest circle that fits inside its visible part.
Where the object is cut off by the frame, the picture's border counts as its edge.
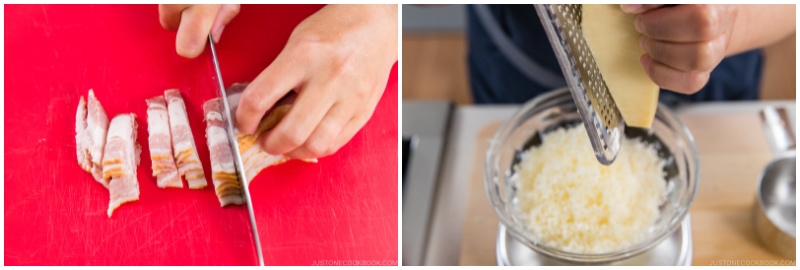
(81, 139)
(120, 159)
(223, 168)
(186, 157)
(96, 127)
(164, 168)
(254, 157)
(91, 125)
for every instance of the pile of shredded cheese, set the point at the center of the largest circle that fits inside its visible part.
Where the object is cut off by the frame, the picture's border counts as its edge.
(573, 203)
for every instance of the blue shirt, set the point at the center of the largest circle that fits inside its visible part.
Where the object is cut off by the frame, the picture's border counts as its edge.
(511, 61)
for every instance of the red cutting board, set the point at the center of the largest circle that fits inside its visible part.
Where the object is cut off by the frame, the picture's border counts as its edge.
(342, 210)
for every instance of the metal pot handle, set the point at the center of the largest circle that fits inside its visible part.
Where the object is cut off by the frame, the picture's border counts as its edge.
(778, 129)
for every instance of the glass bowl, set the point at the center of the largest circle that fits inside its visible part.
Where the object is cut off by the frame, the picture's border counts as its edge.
(556, 109)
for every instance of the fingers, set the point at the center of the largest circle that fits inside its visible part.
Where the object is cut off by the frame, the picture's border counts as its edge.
(682, 23)
(687, 82)
(359, 118)
(702, 56)
(347, 133)
(350, 129)
(194, 27)
(636, 9)
(321, 141)
(226, 14)
(193, 23)
(306, 114)
(268, 87)
(170, 16)
(684, 43)
(341, 123)
(361, 115)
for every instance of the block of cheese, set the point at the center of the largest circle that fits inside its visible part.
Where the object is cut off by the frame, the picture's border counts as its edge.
(614, 43)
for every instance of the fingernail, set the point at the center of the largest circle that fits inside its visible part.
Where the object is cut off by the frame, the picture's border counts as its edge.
(644, 60)
(631, 8)
(216, 32)
(638, 24)
(190, 50)
(643, 43)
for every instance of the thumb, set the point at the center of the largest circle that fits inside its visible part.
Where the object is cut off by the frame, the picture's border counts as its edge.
(225, 15)
(193, 31)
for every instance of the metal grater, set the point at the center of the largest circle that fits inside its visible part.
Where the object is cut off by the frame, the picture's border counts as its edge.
(597, 109)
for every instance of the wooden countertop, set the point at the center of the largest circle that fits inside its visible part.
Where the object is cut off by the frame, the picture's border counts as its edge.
(733, 151)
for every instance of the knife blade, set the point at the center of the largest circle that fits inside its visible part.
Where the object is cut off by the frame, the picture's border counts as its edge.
(237, 155)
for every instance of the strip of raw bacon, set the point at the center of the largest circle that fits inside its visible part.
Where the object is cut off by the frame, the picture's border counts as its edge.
(223, 170)
(96, 128)
(120, 159)
(253, 156)
(91, 125)
(183, 144)
(81, 139)
(164, 168)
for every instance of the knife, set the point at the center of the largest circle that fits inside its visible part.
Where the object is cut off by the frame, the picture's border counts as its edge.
(237, 156)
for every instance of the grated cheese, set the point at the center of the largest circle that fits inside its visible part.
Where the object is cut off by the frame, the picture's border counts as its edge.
(571, 202)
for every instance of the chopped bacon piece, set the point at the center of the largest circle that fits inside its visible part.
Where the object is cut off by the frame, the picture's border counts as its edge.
(81, 139)
(223, 168)
(164, 168)
(186, 157)
(91, 125)
(254, 157)
(120, 159)
(96, 127)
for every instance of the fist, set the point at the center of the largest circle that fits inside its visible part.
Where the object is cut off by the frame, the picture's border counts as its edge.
(683, 43)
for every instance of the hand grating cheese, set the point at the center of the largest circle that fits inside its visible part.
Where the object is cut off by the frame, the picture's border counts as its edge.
(571, 202)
